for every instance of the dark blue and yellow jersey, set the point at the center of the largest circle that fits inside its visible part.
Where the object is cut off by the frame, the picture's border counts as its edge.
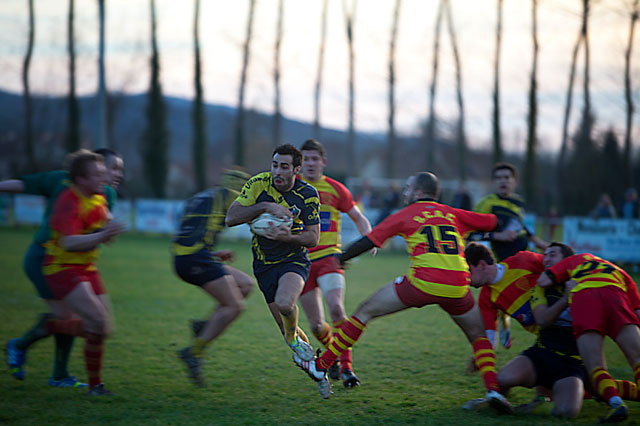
(302, 201)
(510, 212)
(202, 221)
(558, 337)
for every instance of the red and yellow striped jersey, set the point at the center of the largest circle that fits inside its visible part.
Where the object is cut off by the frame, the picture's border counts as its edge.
(73, 214)
(512, 293)
(433, 233)
(335, 198)
(589, 271)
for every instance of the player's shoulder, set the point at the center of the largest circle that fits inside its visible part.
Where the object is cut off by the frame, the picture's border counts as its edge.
(305, 189)
(263, 178)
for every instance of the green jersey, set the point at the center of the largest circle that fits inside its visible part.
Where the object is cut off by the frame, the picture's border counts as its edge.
(50, 185)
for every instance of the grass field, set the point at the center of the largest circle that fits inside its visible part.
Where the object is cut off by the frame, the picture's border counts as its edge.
(411, 364)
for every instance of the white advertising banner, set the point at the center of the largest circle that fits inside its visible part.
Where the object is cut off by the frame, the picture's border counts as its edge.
(612, 239)
(28, 209)
(157, 215)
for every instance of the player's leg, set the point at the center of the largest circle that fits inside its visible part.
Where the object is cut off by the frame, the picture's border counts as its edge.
(95, 315)
(290, 286)
(243, 281)
(471, 323)
(333, 288)
(567, 397)
(628, 339)
(519, 371)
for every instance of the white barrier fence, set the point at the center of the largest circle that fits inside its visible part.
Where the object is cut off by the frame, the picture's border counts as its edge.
(617, 240)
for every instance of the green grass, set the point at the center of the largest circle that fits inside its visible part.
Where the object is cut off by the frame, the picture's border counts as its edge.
(411, 364)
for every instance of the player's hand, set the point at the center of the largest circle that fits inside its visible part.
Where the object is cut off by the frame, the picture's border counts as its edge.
(225, 255)
(111, 230)
(544, 281)
(279, 233)
(373, 251)
(569, 285)
(278, 210)
(506, 235)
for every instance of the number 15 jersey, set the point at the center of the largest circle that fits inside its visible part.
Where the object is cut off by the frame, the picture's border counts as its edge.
(433, 233)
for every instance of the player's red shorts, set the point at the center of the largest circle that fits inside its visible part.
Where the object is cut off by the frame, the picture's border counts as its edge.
(416, 298)
(602, 309)
(63, 282)
(320, 267)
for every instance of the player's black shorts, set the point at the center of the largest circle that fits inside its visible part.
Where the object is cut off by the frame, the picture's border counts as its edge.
(199, 268)
(551, 366)
(268, 275)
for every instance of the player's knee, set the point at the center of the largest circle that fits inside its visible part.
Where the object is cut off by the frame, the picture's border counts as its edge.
(245, 285)
(99, 324)
(566, 411)
(285, 307)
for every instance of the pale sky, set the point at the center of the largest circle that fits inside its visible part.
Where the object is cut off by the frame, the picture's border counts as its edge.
(222, 30)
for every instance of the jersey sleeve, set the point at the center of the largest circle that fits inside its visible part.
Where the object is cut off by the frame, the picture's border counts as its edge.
(538, 297)
(311, 215)
(249, 192)
(488, 309)
(65, 218)
(390, 226)
(471, 221)
(43, 183)
(346, 202)
(561, 270)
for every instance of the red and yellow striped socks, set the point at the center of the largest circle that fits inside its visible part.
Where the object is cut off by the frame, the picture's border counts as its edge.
(93, 351)
(343, 340)
(604, 383)
(324, 335)
(485, 359)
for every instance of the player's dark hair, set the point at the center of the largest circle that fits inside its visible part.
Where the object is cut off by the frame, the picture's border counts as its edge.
(504, 166)
(313, 145)
(79, 160)
(564, 248)
(288, 149)
(428, 183)
(475, 252)
(107, 153)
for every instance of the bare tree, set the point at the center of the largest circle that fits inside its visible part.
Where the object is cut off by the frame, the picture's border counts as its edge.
(73, 115)
(567, 112)
(316, 98)
(199, 128)
(460, 131)
(28, 125)
(349, 15)
(277, 113)
(628, 171)
(238, 156)
(497, 133)
(530, 175)
(391, 137)
(102, 85)
(431, 123)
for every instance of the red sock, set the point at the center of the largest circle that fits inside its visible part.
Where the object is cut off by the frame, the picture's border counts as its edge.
(604, 383)
(486, 362)
(343, 340)
(93, 351)
(73, 327)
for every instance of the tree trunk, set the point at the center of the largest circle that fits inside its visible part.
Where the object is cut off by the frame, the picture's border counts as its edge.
(562, 158)
(156, 143)
(586, 82)
(391, 137)
(431, 123)
(352, 168)
(73, 116)
(199, 122)
(461, 133)
(238, 156)
(277, 113)
(530, 175)
(628, 170)
(28, 125)
(316, 98)
(497, 132)
(102, 85)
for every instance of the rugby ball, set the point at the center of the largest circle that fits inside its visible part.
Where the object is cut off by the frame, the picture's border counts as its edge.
(261, 224)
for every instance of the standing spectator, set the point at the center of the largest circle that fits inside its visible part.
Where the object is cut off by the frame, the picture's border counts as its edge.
(390, 202)
(461, 199)
(630, 208)
(604, 209)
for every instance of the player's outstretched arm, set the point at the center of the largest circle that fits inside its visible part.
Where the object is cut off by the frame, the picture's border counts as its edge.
(86, 242)
(12, 185)
(362, 223)
(356, 249)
